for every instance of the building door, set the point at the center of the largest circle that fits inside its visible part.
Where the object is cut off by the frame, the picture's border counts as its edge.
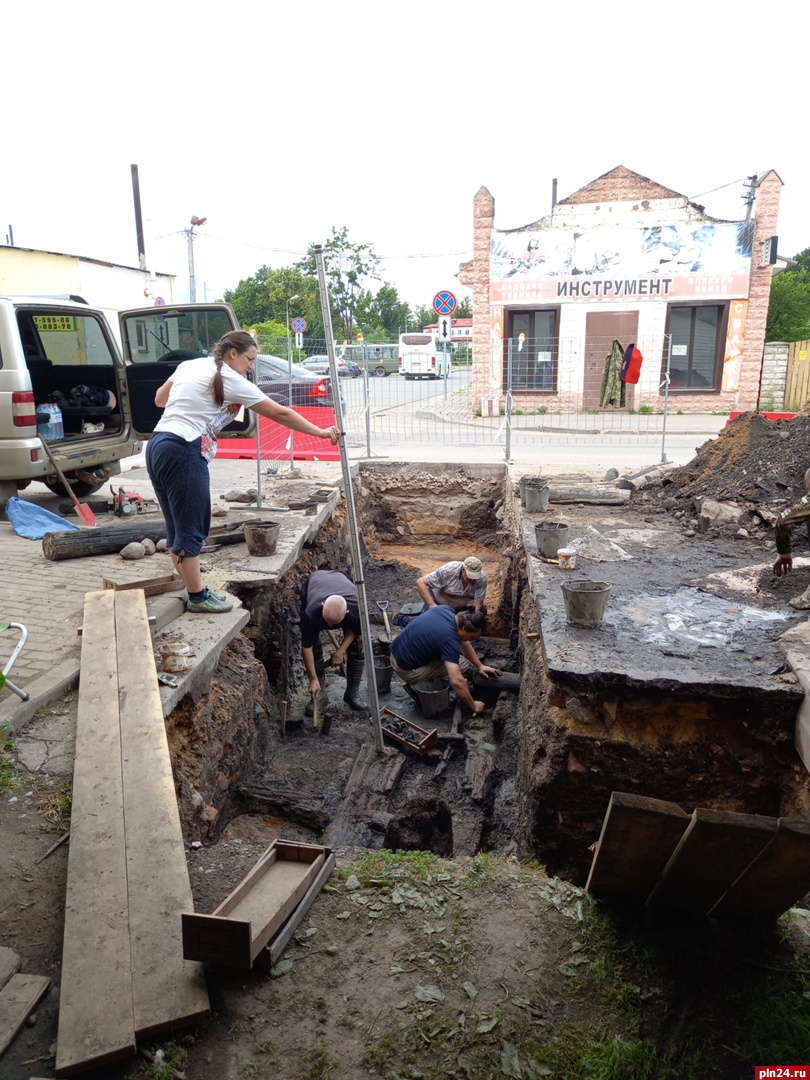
(601, 327)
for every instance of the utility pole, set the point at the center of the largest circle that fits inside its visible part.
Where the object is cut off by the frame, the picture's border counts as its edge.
(751, 184)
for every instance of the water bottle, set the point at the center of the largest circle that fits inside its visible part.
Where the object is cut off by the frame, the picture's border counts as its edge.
(56, 423)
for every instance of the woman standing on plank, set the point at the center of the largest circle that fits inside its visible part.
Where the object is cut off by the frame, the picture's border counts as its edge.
(199, 400)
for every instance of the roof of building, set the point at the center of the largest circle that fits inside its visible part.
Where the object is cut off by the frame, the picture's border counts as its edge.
(621, 185)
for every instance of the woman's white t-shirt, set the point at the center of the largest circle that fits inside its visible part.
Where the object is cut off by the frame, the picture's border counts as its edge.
(191, 411)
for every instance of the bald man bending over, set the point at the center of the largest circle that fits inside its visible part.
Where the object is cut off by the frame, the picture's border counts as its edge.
(329, 601)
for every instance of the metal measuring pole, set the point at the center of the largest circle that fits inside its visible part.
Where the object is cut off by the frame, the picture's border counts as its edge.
(348, 494)
(666, 403)
(507, 450)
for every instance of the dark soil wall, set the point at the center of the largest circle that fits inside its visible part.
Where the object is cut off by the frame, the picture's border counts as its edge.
(577, 748)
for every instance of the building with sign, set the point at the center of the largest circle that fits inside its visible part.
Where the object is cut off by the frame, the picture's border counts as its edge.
(461, 332)
(105, 285)
(622, 261)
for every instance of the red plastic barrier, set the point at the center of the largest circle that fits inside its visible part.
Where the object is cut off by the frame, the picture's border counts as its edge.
(767, 415)
(275, 440)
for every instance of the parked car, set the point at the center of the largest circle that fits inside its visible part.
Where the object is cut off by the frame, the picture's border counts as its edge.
(320, 365)
(273, 374)
(64, 376)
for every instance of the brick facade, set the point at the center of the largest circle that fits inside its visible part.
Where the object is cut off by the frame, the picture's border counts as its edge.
(632, 204)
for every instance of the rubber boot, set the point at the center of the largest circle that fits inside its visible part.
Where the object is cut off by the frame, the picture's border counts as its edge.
(354, 673)
(320, 671)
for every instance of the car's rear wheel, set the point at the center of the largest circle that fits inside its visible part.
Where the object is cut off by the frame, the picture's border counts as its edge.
(80, 488)
(380, 370)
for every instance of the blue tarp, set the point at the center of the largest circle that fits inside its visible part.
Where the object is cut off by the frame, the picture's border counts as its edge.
(28, 519)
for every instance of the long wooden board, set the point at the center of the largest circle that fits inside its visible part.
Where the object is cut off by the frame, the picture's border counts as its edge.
(18, 998)
(715, 849)
(166, 988)
(637, 839)
(96, 1021)
(10, 964)
(777, 879)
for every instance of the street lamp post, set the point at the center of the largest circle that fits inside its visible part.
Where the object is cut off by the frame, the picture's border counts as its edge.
(289, 361)
(192, 281)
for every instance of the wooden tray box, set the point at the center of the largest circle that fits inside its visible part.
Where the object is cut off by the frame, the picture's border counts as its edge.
(271, 900)
(427, 739)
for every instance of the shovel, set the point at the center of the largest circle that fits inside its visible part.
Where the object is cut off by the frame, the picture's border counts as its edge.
(85, 514)
(383, 606)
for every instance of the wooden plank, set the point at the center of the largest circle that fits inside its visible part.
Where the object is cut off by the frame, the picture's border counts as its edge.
(715, 849)
(18, 999)
(276, 947)
(217, 939)
(96, 1023)
(10, 964)
(375, 774)
(151, 586)
(777, 879)
(601, 494)
(638, 836)
(166, 988)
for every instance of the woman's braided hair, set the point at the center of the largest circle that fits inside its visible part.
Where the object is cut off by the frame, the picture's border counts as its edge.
(236, 339)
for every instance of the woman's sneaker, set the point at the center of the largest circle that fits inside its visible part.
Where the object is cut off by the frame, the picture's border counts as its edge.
(209, 603)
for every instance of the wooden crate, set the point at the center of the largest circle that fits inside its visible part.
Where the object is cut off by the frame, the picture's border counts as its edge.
(426, 739)
(269, 903)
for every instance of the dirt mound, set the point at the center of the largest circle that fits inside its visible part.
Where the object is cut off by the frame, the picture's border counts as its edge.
(753, 459)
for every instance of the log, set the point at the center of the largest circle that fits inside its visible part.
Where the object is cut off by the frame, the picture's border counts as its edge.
(590, 493)
(108, 540)
(638, 480)
(303, 809)
(504, 681)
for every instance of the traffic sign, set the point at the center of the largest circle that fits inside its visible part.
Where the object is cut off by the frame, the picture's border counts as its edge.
(444, 303)
(445, 328)
(360, 337)
(299, 325)
(299, 339)
(159, 301)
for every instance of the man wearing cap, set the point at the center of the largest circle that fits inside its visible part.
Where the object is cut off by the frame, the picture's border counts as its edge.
(457, 585)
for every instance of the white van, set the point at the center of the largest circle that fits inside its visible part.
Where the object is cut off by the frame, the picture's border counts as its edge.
(63, 351)
(421, 356)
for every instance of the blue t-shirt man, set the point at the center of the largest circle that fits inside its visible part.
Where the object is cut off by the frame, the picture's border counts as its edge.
(433, 645)
(431, 637)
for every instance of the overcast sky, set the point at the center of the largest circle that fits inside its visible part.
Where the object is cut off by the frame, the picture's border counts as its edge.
(276, 122)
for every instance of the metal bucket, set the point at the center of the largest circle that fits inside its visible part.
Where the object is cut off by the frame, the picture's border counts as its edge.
(537, 495)
(261, 539)
(433, 696)
(382, 674)
(585, 602)
(550, 537)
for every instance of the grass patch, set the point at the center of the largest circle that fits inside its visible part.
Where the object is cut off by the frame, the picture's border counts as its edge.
(8, 775)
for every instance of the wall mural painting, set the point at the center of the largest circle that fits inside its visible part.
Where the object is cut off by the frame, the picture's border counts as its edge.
(685, 261)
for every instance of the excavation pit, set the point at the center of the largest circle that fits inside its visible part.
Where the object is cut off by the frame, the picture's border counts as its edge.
(683, 693)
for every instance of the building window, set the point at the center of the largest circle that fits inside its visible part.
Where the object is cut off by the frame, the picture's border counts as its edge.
(534, 339)
(698, 344)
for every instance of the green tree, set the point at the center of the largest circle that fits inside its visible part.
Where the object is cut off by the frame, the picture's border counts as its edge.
(422, 316)
(384, 312)
(789, 309)
(263, 298)
(347, 266)
(464, 309)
